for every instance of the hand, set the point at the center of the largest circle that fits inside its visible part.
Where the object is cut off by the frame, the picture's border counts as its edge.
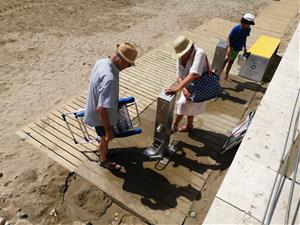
(109, 135)
(186, 94)
(171, 90)
(226, 57)
(245, 51)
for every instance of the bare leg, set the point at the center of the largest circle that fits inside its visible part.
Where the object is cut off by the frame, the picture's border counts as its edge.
(190, 120)
(103, 149)
(188, 126)
(228, 68)
(176, 122)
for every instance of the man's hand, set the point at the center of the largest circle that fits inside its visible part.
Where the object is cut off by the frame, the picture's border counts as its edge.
(109, 135)
(186, 94)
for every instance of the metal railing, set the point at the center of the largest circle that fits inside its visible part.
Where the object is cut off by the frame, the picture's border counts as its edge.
(281, 175)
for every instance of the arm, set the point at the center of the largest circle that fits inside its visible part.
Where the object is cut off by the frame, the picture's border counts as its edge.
(102, 112)
(187, 80)
(179, 80)
(182, 85)
(228, 49)
(245, 48)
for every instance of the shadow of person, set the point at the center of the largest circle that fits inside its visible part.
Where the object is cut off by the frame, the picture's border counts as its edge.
(212, 146)
(154, 188)
(226, 96)
(241, 86)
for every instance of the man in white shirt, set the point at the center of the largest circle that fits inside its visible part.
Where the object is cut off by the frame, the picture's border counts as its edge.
(101, 109)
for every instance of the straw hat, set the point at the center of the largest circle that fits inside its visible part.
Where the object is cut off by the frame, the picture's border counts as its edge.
(128, 52)
(181, 46)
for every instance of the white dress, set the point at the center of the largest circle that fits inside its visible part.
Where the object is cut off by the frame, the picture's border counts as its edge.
(197, 65)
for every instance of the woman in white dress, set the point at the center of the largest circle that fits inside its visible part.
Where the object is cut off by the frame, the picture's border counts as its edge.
(191, 64)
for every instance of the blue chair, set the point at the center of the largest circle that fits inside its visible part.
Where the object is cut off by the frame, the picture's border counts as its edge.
(124, 127)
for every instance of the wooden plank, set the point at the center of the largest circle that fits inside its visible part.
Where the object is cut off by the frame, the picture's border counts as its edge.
(51, 154)
(55, 143)
(52, 147)
(64, 140)
(54, 123)
(144, 83)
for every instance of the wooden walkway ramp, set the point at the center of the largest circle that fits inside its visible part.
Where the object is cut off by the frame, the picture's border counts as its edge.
(158, 197)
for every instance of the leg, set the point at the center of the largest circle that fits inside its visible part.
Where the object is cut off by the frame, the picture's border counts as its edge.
(103, 149)
(189, 126)
(190, 120)
(176, 122)
(228, 67)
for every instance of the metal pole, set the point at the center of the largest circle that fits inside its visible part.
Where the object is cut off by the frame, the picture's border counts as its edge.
(282, 157)
(296, 213)
(292, 189)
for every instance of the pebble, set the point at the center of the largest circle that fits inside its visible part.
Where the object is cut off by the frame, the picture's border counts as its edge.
(88, 223)
(1, 174)
(53, 213)
(23, 215)
(7, 223)
(193, 214)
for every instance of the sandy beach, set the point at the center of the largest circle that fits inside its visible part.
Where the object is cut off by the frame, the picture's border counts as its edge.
(47, 49)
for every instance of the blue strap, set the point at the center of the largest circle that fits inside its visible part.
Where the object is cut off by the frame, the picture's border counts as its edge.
(79, 114)
(129, 133)
(124, 101)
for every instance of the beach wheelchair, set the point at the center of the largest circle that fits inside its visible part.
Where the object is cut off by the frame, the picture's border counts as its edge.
(125, 126)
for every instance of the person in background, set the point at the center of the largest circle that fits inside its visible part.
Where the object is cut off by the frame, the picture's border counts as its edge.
(191, 64)
(236, 41)
(101, 109)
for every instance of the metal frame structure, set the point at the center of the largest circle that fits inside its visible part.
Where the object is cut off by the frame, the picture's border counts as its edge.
(124, 104)
(238, 133)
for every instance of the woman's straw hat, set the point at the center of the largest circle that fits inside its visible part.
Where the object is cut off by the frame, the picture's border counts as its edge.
(182, 45)
(128, 52)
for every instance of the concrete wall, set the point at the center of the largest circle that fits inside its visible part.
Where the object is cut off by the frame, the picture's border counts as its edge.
(244, 193)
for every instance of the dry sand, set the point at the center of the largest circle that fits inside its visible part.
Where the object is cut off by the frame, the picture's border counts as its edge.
(47, 49)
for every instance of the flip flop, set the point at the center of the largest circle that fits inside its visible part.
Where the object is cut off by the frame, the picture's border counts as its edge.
(112, 166)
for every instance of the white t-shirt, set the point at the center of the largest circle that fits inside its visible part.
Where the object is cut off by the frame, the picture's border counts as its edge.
(195, 64)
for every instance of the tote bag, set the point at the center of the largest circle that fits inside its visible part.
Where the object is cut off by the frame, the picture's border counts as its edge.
(206, 87)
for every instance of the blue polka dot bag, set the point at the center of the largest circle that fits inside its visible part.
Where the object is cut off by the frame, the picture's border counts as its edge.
(206, 87)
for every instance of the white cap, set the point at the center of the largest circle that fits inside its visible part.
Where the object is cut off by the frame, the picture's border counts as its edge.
(249, 17)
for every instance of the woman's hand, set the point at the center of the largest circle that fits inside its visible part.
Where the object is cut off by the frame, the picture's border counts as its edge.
(171, 90)
(186, 94)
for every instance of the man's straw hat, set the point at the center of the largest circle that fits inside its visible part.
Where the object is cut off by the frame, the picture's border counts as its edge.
(182, 45)
(128, 52)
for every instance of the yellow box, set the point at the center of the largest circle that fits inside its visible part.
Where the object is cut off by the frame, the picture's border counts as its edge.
(265, 46)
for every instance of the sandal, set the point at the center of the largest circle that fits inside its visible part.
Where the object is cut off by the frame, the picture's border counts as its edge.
(185, 128)
(110, 165)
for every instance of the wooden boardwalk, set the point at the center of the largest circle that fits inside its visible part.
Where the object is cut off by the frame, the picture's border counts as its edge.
(159, 197)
